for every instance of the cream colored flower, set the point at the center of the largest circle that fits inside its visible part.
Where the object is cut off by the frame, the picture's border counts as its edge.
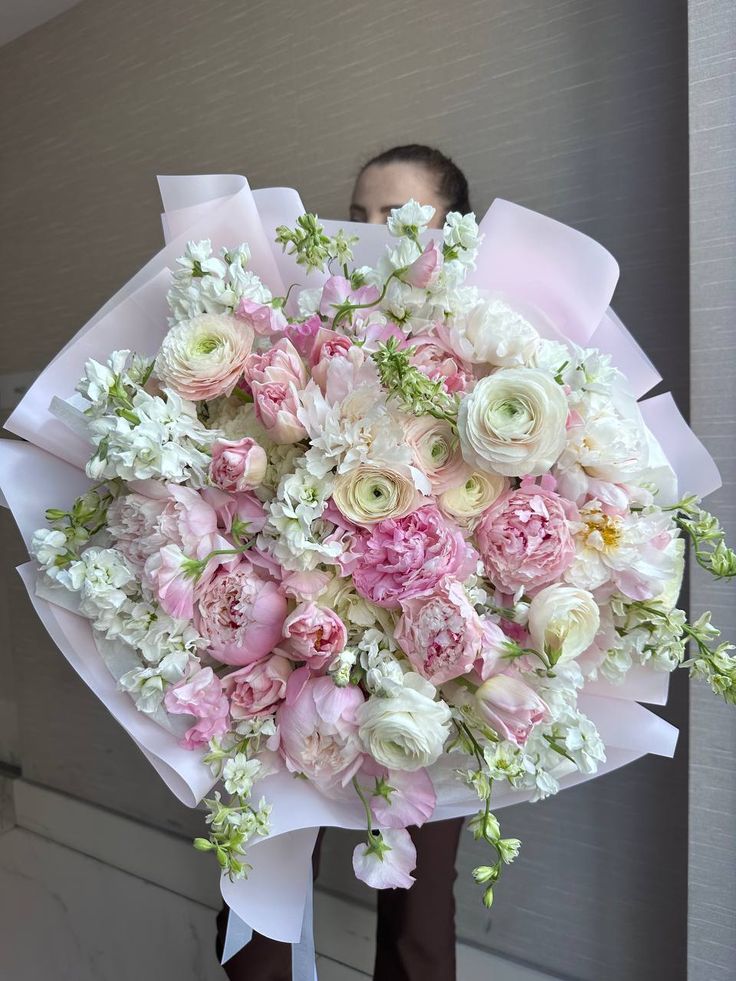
(368, 494)
(436, 451)
(563, 621)
(204, 357)
(470, 499)
(513, 422)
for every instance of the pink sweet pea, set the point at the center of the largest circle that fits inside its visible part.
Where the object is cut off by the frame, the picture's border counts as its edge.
(493, 646)
(510, 707)
(318, 732)
(237, 465)
(240, 614)
(387, 863)
(338, 290)
(258, 688)
(440, 632)
(314, 634)
(408, 798)
(396, 559)
(525, 538)
(262, 317)
(199, 695)
(245, 508)
(423, 272)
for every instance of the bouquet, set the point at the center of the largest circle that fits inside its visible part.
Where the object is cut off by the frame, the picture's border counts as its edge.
(387, 545)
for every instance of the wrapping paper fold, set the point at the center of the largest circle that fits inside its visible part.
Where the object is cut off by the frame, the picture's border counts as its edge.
(562, 277)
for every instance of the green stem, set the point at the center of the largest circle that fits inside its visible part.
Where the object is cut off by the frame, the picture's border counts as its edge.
(366, 807)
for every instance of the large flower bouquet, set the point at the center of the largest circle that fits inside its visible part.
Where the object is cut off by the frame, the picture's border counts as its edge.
(401, 530)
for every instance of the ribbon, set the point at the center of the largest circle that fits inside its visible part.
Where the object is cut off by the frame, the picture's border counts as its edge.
(303, 957)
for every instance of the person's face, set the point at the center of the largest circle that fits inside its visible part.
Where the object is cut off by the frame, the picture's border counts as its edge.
(382, 187)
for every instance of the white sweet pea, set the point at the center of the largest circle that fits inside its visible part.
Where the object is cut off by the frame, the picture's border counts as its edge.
(407, 729)
(513, 422)
(410, 219)
(563, 622)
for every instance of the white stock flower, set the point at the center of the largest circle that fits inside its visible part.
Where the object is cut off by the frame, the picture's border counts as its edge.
(461, 231)
(407, 728)
(47, 545)
(294, 532)
(563, 621)
(239, 774)
(103, 579)
(383, 670)
(513, 422)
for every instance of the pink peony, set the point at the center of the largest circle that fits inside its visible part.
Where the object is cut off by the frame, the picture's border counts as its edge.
(187, 517)
(259, 688)
(510, 707)
(440, 632)
(318, 733)
(395, 559)
(409, 799)
(240, 614)
(314, 634)
(133, 521)
(261, 317)
(237, 465)
(200, 695)
(524, 537)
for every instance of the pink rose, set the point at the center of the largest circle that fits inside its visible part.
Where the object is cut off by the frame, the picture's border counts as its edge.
(237, 465)
(280, 363)
(524, 537)
(314, 634)
(261, 317)
(338, 365)
(199, 695)
(257, 689)
(318, 732)
(240, 614)
(276, 407)
(440, 632)
(510, 707)
(439, 363)
(423, 272)
(395, 559)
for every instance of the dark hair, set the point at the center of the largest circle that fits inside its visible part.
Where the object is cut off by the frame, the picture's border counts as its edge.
(452, 182)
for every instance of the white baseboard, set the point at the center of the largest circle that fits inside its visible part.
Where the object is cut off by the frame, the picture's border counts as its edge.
(344, 931)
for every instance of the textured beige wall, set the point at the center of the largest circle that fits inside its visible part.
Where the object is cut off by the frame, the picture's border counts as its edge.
(576, 107)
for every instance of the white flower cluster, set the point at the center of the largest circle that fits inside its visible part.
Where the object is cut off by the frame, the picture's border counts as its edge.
(205, 283)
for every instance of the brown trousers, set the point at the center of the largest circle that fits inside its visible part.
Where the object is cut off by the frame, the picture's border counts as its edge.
(415, 938)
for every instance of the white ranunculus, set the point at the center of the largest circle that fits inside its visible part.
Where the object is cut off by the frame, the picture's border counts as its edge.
(369, 494)
(407, 729)
(491, 332)
(563, 621)
(470, 499)
(513, 422)
(204, 357)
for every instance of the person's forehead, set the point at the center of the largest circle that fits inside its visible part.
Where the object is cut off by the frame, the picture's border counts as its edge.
(395, 183)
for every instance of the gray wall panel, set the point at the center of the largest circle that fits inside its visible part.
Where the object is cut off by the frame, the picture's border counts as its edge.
(574, 107)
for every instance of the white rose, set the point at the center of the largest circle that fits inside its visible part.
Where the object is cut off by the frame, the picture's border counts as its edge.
(407, 729)
(513, 422)
(563, 621)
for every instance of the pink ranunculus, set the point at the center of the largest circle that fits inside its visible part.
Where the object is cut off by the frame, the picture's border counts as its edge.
(398, 558)
(388, 863)
(440, 632)
(258, 688)
(410, 799)
(277, 405)
(245, 507)
(240, 614)
(237, 465)
(510, 707)
(423, 272)
(314, 634)
(200, 695)
(338, 290)
(525, 538)
(280, 363)
(317, 729)
(265, 320)
(438, 362)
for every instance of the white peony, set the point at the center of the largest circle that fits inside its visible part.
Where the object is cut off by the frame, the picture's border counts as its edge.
(492, 333)
(513, 422)
(407, 729)
(563, 622)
